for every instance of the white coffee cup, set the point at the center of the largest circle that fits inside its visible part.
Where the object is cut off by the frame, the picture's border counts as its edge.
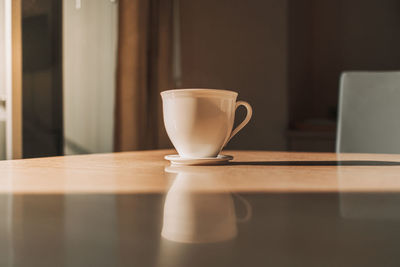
(199, 122)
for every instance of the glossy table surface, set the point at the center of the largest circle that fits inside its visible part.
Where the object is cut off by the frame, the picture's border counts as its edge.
(262, 209)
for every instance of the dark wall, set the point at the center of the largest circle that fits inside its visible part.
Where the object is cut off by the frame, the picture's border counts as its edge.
(242, 46)
(329, 37)
(42, 78)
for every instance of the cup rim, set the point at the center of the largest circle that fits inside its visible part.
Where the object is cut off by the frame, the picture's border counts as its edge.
(199, 92)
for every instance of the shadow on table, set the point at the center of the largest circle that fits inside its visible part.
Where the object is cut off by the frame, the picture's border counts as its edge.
(318, 163)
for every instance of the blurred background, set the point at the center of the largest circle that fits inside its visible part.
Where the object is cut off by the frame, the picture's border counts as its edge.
(92, 70)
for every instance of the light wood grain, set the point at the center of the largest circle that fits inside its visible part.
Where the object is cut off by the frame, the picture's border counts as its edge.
(250, 171)
(16, 98)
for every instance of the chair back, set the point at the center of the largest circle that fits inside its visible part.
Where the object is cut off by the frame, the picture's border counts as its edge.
(369, 112)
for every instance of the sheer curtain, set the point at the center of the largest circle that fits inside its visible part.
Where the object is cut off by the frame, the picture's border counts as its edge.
(143, 71)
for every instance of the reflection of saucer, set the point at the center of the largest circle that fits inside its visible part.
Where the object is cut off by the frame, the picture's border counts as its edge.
(177, 160)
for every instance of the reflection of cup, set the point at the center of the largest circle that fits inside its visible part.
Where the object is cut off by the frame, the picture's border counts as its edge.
(199, 214)
(199, 121)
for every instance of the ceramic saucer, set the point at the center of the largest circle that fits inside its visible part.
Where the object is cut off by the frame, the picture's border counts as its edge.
(177, 160)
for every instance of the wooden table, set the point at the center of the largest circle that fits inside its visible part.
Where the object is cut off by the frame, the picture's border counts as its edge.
(301, 209)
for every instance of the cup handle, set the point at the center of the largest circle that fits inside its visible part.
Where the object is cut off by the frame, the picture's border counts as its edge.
(249, 209)
(244, 122)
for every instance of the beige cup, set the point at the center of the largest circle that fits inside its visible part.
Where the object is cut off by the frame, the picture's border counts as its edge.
(199, 122)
